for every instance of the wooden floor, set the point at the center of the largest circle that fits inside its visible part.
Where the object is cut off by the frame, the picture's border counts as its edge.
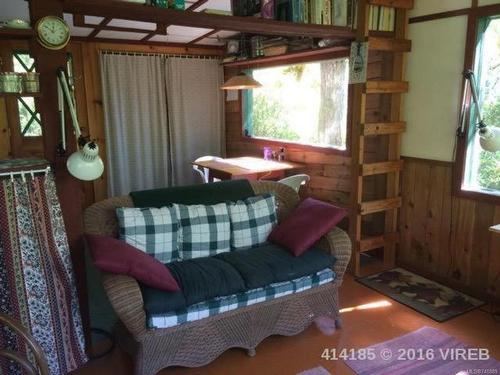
(290, 355)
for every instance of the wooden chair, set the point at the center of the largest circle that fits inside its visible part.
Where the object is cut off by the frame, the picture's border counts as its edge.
(41, 367)
(295, 181)
(203, 172)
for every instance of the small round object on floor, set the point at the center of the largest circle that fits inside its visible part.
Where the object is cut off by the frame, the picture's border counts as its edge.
(251, 352)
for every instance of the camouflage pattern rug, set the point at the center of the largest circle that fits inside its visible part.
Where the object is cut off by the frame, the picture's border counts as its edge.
(423, 295)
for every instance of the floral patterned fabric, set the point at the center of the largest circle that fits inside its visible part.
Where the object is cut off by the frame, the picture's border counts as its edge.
(37, 285)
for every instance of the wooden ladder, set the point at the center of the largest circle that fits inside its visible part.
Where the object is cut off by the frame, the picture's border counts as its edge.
(392, 128)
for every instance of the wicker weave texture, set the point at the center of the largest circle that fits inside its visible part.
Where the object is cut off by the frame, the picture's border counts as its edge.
(198, 343)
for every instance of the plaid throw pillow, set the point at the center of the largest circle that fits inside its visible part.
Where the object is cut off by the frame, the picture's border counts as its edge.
(205, 230)
(252, 220)
(152, 230)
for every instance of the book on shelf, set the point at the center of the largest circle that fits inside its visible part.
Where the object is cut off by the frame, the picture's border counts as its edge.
(340, 11)
(326, 13)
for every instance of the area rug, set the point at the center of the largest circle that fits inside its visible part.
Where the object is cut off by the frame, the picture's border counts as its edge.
(423, 295)
(432, 352)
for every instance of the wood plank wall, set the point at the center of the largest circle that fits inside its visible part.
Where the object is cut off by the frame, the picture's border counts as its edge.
(445, 237)
(329, 171)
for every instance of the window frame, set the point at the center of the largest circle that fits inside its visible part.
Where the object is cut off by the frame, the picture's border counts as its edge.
(459, 166)
(20, 145)
(261, 142)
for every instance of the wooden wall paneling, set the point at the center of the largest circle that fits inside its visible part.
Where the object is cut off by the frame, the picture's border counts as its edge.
(446, 238)
(494, 259)
(4, 131)
(95, 113)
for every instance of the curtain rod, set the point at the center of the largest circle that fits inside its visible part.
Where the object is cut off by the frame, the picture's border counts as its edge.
(166, 55)
(24, 173)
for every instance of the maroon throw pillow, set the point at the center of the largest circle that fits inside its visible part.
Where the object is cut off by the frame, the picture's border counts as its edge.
(311, 220)
(115, 256)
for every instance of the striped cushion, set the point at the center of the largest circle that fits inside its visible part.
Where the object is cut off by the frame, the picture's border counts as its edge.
(252, 220)
(205, 230)
(152, 230)
(227, 303)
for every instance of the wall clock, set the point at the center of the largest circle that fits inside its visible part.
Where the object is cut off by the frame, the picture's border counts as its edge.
(52, 32)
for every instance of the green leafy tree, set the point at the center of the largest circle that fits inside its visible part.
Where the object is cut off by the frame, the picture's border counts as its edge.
(269, 121)
(489, 162)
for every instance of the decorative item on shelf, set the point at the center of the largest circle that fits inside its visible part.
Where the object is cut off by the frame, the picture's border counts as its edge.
(16, 23)
(52, 32)
(11, 82)
(31, 82)
(275, 50)
(160, 3)
(256, 46)
(232, 47)
(281, 154)
(84, 164)
(246, 8)
(358, 62)
(489, 136)
(177, 4)
(267, 8)
(241, 82)
(268, 153)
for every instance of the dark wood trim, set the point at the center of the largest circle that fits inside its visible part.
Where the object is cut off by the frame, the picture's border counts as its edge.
(458, 170)
(292, 57)
(187, 48)
(6, 33)
(200, 38)
(480, 11)
(196, 5)
(440, 15)
(441, 163)
(99, 27)
(120, 9)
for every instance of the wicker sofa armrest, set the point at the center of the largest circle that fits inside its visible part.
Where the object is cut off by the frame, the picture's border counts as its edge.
(338, 243)
(126, 298)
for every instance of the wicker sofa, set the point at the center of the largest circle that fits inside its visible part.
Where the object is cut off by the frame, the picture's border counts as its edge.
(199, 342)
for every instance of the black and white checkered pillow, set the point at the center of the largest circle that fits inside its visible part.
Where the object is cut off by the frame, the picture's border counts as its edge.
(252, 220)
(205, 230)
(152, 230)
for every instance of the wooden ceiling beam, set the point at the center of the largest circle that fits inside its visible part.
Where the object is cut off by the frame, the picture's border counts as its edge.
(119, 9)
(196, 5)
(99, 27)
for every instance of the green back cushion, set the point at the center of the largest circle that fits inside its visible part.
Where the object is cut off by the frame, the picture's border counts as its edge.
(270, 263)
(213, 193)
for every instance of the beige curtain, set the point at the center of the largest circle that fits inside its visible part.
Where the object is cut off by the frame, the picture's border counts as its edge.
(160, 114)
(136, 123)
(195, 113)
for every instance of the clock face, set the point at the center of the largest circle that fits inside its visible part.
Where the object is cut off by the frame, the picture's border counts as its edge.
(53, 32)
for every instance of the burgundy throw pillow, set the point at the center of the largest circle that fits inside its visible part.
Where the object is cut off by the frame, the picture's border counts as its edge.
(115, 256)
(311, 220)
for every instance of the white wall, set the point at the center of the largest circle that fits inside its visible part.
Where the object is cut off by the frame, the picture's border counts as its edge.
(434, 70)
(11, 9)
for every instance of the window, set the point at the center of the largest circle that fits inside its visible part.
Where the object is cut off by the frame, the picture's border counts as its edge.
(300, 103)
(482, 168)
(29, 117)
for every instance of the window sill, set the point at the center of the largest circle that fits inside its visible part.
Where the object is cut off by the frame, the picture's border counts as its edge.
(297, 146)
(479, 195)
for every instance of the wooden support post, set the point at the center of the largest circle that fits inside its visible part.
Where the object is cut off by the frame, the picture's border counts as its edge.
(69, 190)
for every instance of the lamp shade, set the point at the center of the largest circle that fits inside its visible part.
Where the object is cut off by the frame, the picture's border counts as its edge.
(489, 138)
(86, 164)
(241, 82)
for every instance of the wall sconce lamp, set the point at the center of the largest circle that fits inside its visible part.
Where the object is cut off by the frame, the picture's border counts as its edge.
(84, 164)
(489, 136)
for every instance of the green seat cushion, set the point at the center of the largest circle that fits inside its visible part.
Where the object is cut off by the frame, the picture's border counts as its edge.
(208, 194)
(271, 263)
(200, 279)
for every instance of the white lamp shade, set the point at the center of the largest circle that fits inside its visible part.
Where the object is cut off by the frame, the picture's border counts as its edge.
(489, 138)
(86, 164)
